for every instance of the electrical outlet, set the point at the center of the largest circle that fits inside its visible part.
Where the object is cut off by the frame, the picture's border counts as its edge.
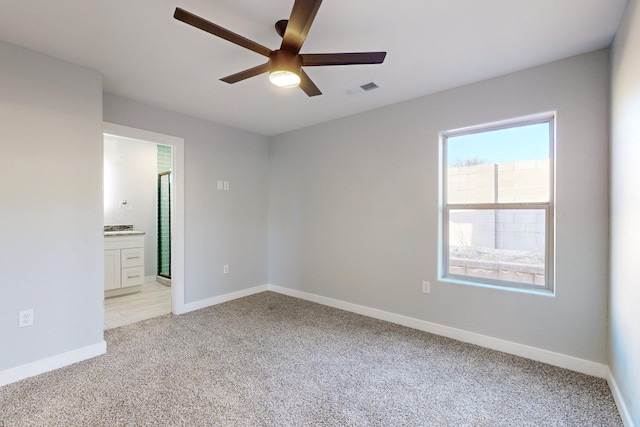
(225, 269)
(25, 318)
(226, 185)
(426, 287)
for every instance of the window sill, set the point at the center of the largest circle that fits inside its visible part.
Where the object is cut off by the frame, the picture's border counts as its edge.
(523, 290)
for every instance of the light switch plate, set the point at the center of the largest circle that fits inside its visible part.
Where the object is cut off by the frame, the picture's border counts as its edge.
(25, 318)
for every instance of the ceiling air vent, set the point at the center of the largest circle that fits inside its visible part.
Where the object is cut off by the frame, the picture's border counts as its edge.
(367, 87)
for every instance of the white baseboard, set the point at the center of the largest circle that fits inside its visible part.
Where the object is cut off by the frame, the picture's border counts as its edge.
(533, 353)
(50, 363)
(568, 362)
(197, 305)
(620, 402)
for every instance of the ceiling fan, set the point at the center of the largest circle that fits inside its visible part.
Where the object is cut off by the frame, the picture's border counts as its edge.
(285, 64)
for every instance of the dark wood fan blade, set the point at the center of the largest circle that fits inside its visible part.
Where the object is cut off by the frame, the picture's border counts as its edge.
(216, 30)
(319, 59)
(243, 75)
(302, 16)
(307, 85)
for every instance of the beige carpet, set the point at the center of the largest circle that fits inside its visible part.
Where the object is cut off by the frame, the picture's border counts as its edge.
(272, 360)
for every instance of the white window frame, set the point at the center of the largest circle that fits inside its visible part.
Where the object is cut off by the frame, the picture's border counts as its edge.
(548, 207)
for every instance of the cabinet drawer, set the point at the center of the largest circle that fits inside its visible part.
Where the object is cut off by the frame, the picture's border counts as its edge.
(123, 242)
(132, 276)
(133, 257)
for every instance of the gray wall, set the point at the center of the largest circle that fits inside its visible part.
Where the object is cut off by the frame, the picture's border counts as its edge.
(221, 227)
(353, 209)
(51, 206)
(350, 207)
(624, 316)
(131, 174)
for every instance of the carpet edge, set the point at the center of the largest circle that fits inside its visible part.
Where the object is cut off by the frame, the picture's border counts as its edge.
(47, 364)
(618, 398)
(540, 355)
(197, 305)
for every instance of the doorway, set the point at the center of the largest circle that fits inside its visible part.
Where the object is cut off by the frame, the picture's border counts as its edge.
(172, 238)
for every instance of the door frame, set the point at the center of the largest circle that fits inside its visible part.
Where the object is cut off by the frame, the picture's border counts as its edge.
(177, 202)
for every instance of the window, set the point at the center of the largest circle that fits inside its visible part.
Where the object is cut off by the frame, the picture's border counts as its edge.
(497, 217)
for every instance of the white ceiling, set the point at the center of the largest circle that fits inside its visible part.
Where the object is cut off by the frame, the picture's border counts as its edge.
(146, 55)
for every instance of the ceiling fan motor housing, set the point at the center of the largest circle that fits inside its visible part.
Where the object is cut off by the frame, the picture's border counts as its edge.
(282, 60)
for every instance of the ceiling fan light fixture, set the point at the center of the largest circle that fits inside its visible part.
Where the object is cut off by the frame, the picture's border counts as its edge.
(284, 78)
(284, 68)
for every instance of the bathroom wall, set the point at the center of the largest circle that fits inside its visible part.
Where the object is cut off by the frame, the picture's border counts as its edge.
(130, 173)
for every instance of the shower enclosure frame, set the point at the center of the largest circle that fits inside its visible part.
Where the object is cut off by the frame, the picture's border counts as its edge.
(161, 235)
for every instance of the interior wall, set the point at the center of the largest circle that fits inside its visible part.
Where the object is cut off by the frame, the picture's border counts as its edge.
(624, 316)
(221, 227)
(51, 190)
(354, 209)
(131, 174)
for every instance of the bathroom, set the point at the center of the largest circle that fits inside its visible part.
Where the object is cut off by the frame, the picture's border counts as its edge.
(137, 200)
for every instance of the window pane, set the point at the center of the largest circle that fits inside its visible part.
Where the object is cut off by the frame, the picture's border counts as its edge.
(504, 244)
(500, 166)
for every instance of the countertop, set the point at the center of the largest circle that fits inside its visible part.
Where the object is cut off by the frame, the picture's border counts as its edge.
(123, 233)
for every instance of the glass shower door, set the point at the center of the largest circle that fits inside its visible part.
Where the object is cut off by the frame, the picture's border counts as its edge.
(164, 225)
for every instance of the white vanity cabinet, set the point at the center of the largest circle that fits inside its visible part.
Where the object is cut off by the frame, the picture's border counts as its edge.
(123, 264)
(111, 269)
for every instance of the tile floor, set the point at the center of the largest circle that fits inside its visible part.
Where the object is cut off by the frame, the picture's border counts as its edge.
(154, 300)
